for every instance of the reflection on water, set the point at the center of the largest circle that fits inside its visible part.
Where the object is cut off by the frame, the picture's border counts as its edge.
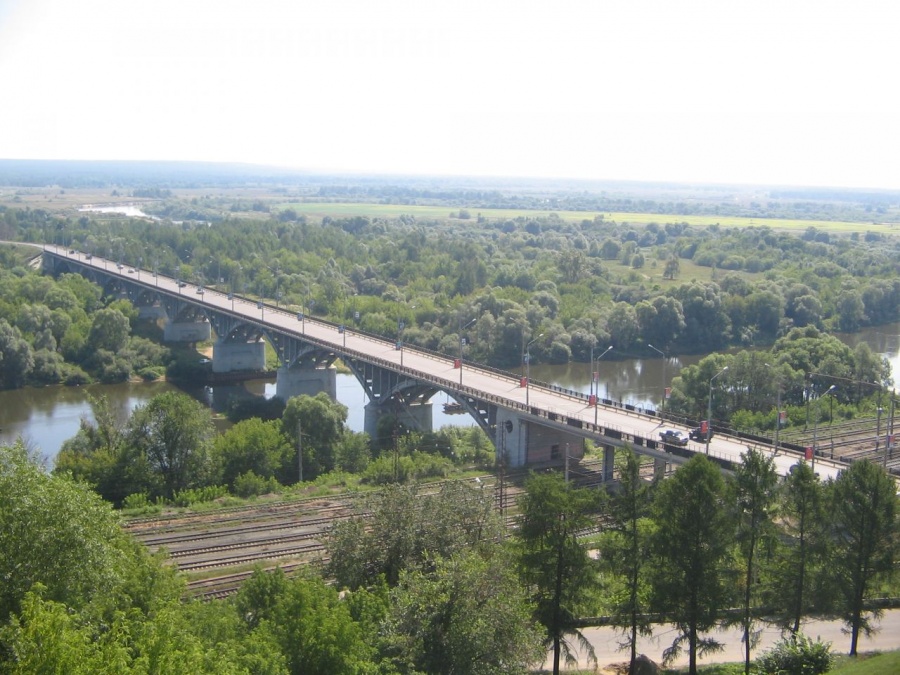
(46, 417)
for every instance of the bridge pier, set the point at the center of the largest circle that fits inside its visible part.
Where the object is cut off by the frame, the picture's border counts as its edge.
(292, 382)
(417, 416)
(531, 443)
(659, 468)
(187, 331)
(609, 462)
(231, 355)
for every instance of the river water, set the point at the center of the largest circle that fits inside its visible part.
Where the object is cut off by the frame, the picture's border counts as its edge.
(46, 417)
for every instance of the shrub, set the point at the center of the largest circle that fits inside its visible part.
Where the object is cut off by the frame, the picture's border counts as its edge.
(796, 655)
(138, 500)
(248, 484)
(197, 495)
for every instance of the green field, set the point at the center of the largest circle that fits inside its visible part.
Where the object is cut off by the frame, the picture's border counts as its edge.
(349, 210)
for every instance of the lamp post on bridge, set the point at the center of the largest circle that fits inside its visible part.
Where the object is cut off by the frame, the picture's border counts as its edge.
(662, 354)
(815, 448)
(595, 377)
(462, 342)
(777, 406)
(401, 325)
(528, 366)
(709, 408)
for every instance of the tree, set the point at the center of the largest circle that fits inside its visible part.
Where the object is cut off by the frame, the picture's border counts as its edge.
(465, 614)
(689, 550)
(398, 529)
(802, 551)
(321, 422)
(626, 550)
(16, 358)
(171, 436)
(755, 487)
(58, 533)
(672, 268)
(555, 566)
(863, 508)
(315, 631)
(96, 453)
(109, 330)
(257, 446)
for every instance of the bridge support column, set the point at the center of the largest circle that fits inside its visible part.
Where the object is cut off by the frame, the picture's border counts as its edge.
(418, 416)
(190, 331)
(230, 355)
(292, 382)
(546, 444)
(609, 462)
(659, 468)
(511, 439)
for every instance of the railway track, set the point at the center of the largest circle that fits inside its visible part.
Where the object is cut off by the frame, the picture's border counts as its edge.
(289, 534)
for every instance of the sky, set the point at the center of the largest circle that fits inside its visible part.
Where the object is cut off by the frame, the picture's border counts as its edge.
(784, 92)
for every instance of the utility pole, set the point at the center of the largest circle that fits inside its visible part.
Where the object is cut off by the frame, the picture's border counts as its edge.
(300, 449)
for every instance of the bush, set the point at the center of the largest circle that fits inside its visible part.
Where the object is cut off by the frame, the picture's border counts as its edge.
(248, 484)
(152, 373)
(197, 495)
(138, 500)
(796, 655)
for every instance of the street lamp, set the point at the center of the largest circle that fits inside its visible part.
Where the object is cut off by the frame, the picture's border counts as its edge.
(528, 366)
(816, 424)
(596, 394)
(400, 326)
(462, 341)
(660, 352)
(777, 407)
(709, 408)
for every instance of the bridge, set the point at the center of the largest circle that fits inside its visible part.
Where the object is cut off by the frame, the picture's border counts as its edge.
(529, 423)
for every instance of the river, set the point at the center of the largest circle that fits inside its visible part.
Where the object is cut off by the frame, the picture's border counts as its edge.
(46, 417)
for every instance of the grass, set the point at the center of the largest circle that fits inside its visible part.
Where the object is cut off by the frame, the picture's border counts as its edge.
(886, 663)
(55, 199)
(349, 210)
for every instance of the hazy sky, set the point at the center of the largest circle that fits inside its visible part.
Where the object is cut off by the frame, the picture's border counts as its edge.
(776, 92)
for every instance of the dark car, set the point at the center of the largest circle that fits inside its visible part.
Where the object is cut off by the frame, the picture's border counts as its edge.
(698, 434)
(673, 437)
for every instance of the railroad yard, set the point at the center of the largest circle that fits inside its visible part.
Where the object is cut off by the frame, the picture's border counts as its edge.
(217, 550)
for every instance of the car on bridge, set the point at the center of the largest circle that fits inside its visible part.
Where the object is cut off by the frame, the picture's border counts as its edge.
(698, 434)
(673, 437)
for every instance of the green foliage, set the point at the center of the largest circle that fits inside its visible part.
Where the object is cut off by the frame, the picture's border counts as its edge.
(863, 507)
(463, 614)
(871, 664)
(796, 655)
(626, 548)
(167, 444)
(321, 422)
(207, 493)
(553, 563)
(56, 532)
(405, 528)
(257, 447)
(136, 501)
(248, 484)
(689, 554)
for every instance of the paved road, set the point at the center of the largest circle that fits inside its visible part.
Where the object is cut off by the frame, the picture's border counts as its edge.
(605, 641)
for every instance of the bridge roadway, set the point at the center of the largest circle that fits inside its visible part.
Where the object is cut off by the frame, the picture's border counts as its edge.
(565, 410)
